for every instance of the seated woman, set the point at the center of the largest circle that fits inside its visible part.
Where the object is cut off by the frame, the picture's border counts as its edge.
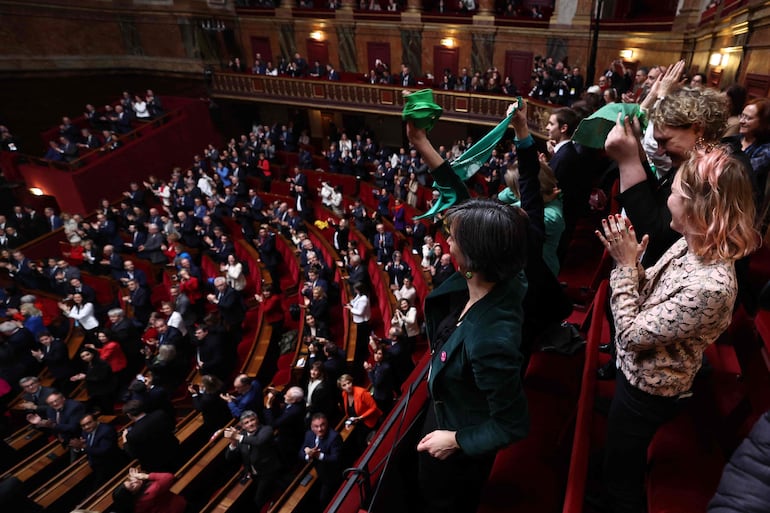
(666, 315)
(147, 493)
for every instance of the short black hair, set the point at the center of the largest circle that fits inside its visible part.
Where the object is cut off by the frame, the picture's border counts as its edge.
(134, 407)
(567, 116)
(492, 237)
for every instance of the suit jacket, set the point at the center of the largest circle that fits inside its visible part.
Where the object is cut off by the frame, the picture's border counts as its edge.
(574, 181)
(257, 452)
(488, 411)
(289, 421)
(140, 300)
(231, 307)
(68, 425)
(102, 449)
(151, 440)
(328, 468)
(57, 359)
(42, 394)
(214, 410)
(323, 400)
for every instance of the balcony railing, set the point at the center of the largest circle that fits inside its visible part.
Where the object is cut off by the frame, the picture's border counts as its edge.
(461, 107)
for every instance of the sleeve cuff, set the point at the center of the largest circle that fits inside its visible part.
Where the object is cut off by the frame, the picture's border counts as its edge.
(524, 143)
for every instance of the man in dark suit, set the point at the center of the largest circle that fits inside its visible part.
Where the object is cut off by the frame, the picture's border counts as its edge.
(111, 263)
(573, 178)
(61, 418)
(100, 443)
(138, 238)
(130, 272)
(254, 447)
(151, 439)
(406, 79)
(126, 333)
(34, 395)
(357, 273)
(78, 287)
(383, 244)
(139, 299)
(121, 123)
(54, 355)
(151, 249)
(230, 305)
(54, 221)
(287, 416)
(88, 140)
(332, 74)
(211, 356)
(323, 445)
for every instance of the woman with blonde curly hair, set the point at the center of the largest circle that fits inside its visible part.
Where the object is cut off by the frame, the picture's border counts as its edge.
(682, 118)
(666, 315)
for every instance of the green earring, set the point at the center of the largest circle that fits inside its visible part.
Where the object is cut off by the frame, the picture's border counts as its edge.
(468, 275)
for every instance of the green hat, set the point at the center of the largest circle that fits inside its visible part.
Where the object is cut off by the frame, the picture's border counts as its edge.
(420, 108)
(592, 131)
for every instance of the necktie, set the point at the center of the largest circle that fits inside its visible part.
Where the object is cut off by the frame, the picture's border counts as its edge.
(90, 439)
(34, 398)
(58, 416)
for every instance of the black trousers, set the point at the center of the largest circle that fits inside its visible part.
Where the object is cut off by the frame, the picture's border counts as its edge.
(452, 485)
(634, 418)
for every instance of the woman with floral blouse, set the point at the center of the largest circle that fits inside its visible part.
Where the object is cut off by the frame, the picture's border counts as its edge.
(666, 315)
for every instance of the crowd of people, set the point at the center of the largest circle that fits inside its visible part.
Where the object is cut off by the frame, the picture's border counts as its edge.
(695, 204)
(102, 128)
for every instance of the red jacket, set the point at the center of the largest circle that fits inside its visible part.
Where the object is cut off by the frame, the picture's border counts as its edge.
(365, 407)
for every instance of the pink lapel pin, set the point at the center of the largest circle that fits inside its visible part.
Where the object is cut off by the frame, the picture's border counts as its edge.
(443, 356)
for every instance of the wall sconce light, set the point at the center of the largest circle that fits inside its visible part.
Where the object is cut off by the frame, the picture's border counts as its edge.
(725, 59)
(715, 59)
(317, 35)
(36, 191)
(448, 42)
(627, 54)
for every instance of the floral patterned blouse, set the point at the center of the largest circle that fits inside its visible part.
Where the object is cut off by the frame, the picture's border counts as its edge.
(665, 317)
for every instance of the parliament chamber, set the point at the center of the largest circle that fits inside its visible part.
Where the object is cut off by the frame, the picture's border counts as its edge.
(280, 86)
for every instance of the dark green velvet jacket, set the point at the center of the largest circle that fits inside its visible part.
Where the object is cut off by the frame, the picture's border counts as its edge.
(475, 378)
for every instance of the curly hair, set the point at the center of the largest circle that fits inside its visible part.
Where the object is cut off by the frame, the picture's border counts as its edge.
(719, 204)
(689, 106)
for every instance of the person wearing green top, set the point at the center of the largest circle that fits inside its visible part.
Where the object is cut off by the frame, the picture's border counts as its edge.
(474, 320)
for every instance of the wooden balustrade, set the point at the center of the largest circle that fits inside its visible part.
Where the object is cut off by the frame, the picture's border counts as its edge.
(380, 99)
